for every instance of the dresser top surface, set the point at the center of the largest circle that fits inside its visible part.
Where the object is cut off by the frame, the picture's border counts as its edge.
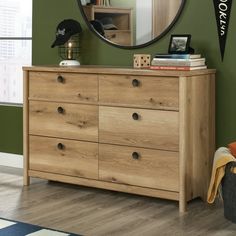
(89, 69)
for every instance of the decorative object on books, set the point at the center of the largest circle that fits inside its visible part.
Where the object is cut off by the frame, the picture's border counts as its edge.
(179, 44)
(142, 60)
(16, 228)
(222, 13)
(67, 38)
(139, 23)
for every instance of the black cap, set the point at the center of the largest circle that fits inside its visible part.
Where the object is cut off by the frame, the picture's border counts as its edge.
(97, 25)
(65, 30)
(108, 23)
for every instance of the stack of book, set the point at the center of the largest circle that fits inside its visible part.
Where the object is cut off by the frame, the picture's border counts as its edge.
(184, 62)
(103, 2)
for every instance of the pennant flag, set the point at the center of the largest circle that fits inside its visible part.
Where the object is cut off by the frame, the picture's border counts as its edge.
(222, 11)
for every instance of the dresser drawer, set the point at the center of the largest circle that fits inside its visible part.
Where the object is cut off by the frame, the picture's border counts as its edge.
(72, 121)
(141, 91)
(140, 167)
(66, 87)
(64, 157)
(119, 36)
(139, 127)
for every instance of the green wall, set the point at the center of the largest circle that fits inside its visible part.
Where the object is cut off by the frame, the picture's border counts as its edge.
(11, 119)
(197, 19)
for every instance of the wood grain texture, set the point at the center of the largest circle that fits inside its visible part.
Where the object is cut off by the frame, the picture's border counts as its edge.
(111, 70)
(90, 211)
(106, 185)
(74, 159)
(153, 168)
(26, 127)
(176, 140)
(152, 130)
(73, 87)
(151, 92)
(184, 144)
(197, 136)
(203, 130)
(76, 122)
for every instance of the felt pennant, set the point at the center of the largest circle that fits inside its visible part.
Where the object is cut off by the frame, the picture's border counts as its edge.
(222, 12)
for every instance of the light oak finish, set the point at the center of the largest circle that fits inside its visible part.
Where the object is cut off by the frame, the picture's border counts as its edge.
(90, 211)
(121, 18)
(185, 160)
(76, 122)
(68, 87)
(151, 130)
(197, 138)
(26, 127)
(151, 168)
(123, 90)
(106, 185)
(111, 70)
(173, 136)
(61, 156)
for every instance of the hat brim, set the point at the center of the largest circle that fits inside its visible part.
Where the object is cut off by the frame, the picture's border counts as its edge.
(61, 40)
(109, 27)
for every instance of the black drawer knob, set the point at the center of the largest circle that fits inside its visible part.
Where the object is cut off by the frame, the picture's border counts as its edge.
(60, 79)
(135, 116)
(60, 110)
(60, 146)
(135, 155)
(135, 83)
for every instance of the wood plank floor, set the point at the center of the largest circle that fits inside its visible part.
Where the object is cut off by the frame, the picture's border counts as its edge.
(94, 212)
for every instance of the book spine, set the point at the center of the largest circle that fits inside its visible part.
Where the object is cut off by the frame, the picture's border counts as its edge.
(177, 63)
(173, 56)
(185, 68)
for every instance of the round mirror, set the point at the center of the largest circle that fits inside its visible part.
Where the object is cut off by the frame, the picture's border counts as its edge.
(130, 23)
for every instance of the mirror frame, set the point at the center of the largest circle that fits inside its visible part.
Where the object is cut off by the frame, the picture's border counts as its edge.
(135, 46)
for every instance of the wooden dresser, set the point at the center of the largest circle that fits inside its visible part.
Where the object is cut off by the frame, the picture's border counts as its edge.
(137, 131)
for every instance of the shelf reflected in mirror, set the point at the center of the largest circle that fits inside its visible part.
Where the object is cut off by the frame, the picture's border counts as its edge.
(131, 23)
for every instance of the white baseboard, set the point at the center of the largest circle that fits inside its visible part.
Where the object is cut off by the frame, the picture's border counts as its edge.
(11, 160)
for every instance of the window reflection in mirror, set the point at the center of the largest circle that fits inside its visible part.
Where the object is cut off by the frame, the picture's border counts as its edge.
(131, 22)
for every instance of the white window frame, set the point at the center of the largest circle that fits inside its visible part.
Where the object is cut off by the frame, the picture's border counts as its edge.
(16, 39)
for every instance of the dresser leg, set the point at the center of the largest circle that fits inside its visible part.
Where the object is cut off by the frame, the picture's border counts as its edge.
(26, 180)
(182, 206)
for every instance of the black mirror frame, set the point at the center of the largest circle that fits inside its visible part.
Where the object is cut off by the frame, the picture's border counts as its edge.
(136, 46)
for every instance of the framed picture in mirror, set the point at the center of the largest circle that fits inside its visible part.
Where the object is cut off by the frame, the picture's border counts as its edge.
(179, 44)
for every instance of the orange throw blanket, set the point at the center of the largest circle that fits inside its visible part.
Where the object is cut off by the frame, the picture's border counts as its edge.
(232, 148)
(221, 158)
